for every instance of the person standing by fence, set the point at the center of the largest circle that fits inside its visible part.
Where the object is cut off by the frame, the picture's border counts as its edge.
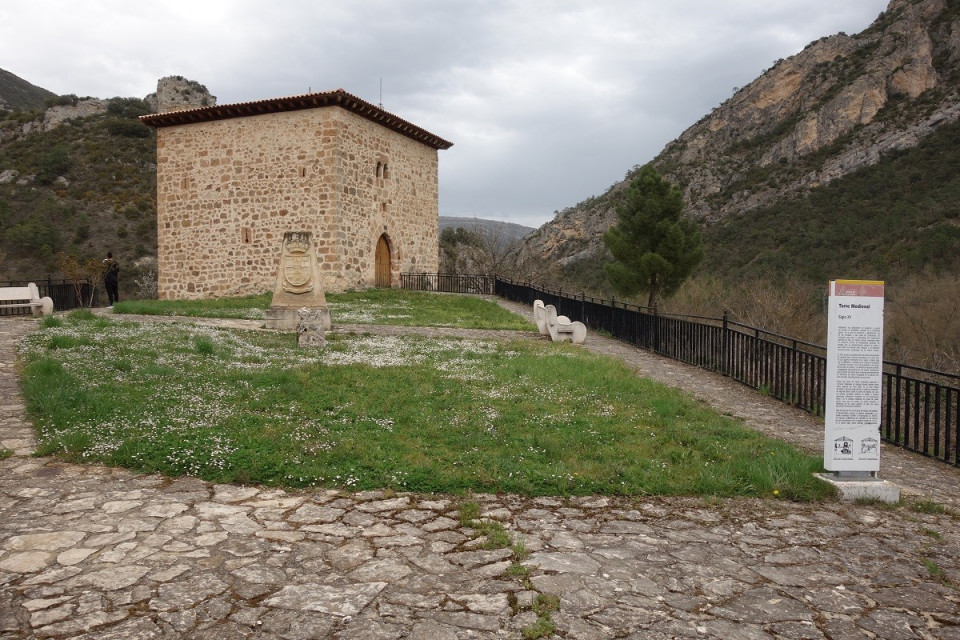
(112, 280)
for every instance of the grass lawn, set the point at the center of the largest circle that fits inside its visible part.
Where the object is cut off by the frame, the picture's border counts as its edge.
(374, 306)
(407, 413)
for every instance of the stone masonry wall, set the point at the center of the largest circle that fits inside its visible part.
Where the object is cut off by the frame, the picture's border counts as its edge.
(401, 203)
(229, 189)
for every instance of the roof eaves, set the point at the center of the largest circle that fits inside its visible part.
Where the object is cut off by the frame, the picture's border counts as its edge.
(295, 103)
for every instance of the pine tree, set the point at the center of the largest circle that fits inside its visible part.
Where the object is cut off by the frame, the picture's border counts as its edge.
(654, 246)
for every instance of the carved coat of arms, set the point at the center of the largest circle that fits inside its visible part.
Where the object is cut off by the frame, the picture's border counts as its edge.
(295, 265)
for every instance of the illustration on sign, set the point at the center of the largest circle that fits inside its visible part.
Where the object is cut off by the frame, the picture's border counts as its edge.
(843, 446)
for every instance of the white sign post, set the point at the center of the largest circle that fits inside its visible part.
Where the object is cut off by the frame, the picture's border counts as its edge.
(851, 443)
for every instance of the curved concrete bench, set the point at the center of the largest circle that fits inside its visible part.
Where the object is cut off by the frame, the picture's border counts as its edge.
(540, 317)
(28, 296)
(559, 328)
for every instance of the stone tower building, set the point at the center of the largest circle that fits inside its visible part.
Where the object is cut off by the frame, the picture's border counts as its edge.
(232, 179)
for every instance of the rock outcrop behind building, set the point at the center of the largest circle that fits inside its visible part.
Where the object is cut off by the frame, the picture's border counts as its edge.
(175, 93)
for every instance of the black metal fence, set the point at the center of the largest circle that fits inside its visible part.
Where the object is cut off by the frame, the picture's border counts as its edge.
(447, 283)
(62, 292)
(920, 408)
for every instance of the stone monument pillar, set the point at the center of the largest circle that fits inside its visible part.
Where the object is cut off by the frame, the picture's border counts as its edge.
(298, 284)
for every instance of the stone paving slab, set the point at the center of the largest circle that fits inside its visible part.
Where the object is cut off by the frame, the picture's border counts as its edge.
(94, 552)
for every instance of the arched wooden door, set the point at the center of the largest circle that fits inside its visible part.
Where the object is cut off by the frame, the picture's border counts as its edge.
(382, 278)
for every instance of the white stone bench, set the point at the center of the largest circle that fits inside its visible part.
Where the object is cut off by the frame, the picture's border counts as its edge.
(559, 328)
(540, 317)
(28, 296)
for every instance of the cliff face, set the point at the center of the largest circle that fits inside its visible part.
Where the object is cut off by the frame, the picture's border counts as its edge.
(833, 108)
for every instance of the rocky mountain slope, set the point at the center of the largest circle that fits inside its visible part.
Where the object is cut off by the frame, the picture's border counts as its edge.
(16, 94)
(840, 105)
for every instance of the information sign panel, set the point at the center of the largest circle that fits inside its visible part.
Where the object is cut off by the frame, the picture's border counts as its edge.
(854, 376)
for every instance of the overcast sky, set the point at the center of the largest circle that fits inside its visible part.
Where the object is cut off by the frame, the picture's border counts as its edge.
(546, 102)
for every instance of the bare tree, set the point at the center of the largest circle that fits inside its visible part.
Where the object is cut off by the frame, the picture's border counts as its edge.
(922, 323)
(486, 248)
(90, 271)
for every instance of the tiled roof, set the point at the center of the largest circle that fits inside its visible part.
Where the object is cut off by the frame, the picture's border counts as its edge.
(338, 98)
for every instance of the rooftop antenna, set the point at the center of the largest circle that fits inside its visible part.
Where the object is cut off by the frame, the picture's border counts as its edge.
(381, 92)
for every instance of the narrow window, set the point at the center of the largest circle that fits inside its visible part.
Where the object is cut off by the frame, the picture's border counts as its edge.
(303, 172)
(246, 235)
(379, 169)
(386, 172)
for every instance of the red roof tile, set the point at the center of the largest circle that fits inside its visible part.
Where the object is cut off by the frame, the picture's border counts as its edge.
(338, 98)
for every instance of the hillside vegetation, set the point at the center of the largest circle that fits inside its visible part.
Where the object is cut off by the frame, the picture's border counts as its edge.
(896, 221)
(85, 186)
(886, 222)
(16, 94)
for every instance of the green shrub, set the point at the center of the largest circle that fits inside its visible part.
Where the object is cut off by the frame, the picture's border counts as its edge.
(128, 108)
(128, 128)
(32, 235)
(53, 164)
(70, 99)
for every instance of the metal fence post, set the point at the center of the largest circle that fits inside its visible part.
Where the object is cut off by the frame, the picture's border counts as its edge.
(725, 346)
(613, 314)
(656, 329)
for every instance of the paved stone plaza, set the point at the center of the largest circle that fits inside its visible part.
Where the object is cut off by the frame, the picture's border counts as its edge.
(93, 552)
